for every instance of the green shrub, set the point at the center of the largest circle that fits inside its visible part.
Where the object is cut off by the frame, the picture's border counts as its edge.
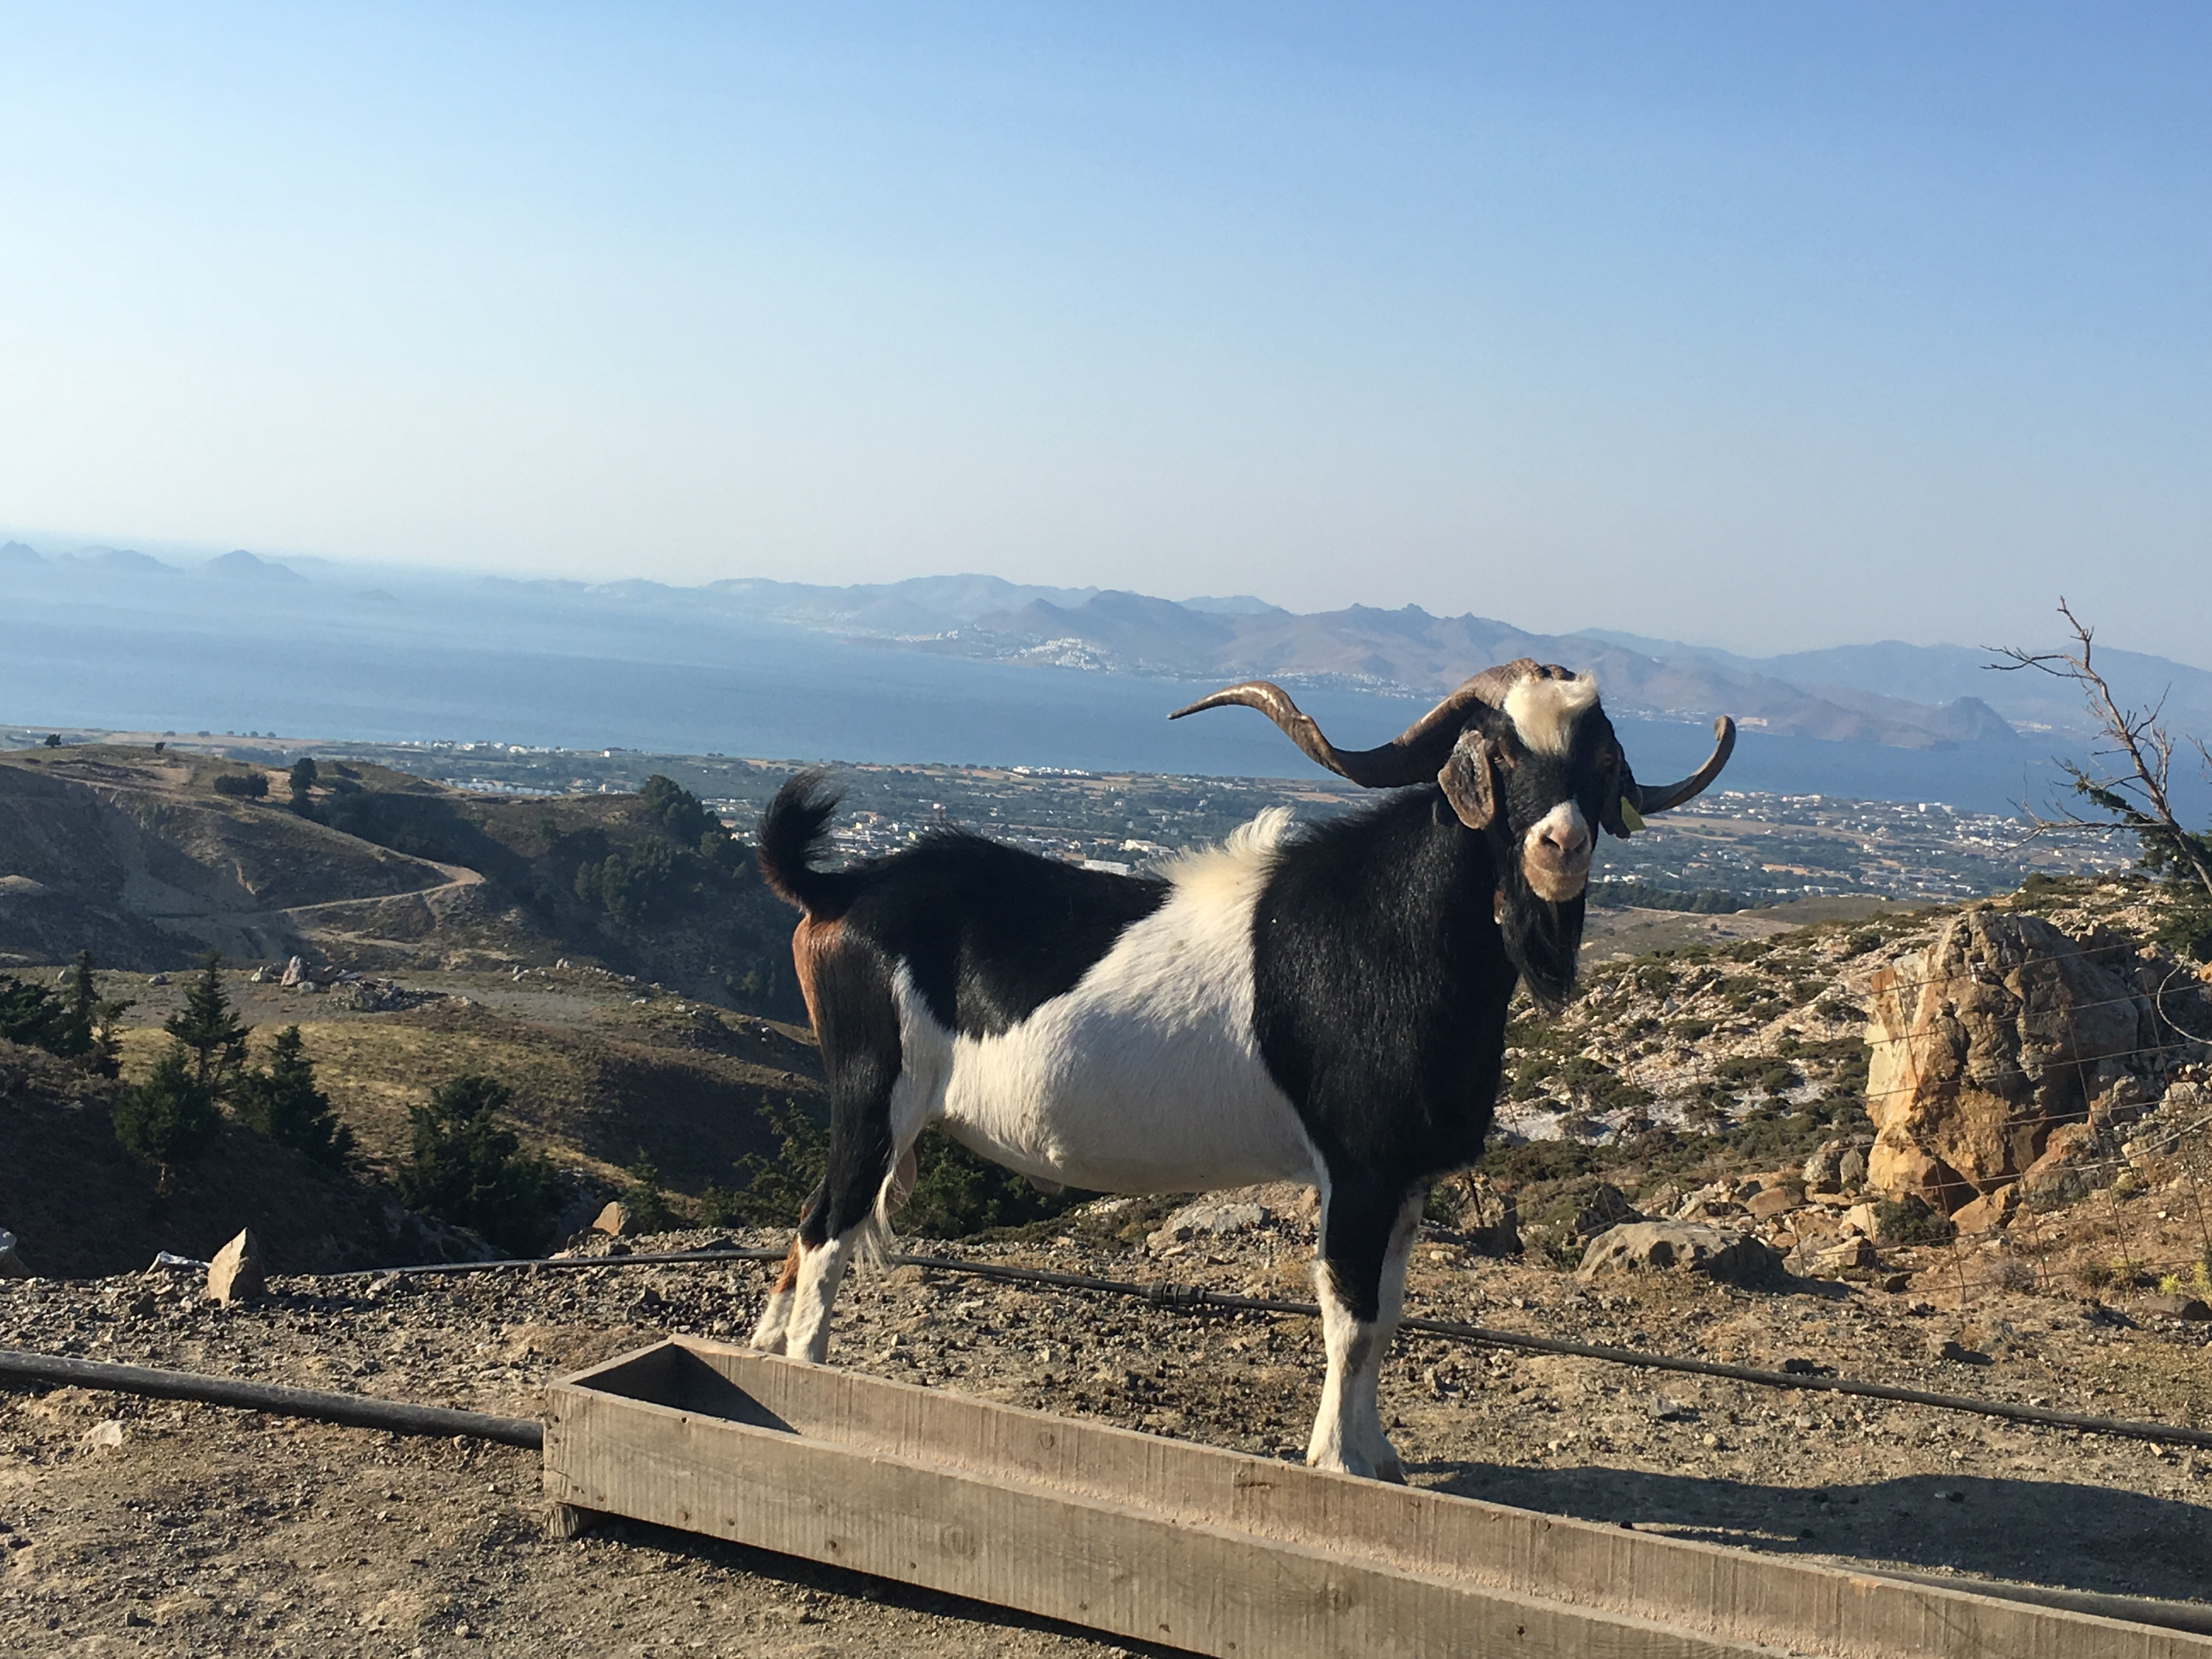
(770, 1192)
(1913, 1220)
(251, 786)
(468, 1170)
(955, 1193)
(650, 1211)
(284, 1104)
(169, 1121)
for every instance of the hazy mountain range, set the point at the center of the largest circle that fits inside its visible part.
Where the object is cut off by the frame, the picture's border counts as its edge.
(1902, 696)
(1890, 693)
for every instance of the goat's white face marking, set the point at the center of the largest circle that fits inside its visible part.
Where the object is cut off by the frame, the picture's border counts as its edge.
(1555, 854)
(1543, 712)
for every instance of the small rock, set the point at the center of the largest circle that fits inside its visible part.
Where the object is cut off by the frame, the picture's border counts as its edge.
(157, 978)
(1771, 1202)
(1607, 1207)
(1849, 1253)
(11, 1265)
(1989, 1212)
(1664, 1410)
(1207, 1218)
(1852, 1170)
(2191, 1308)
(1486, 1216)
(1860, 1218)
(1731, 1258)
(614, 1220)
(105, 1436)
(1823, 1171)
(235, 1274)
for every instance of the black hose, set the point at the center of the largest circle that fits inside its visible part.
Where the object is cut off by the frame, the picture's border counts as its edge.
(357, 1411)
(1194, 1296)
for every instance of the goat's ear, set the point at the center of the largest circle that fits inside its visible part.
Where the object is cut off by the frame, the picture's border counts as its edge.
(1618, 816)
(1466, 780)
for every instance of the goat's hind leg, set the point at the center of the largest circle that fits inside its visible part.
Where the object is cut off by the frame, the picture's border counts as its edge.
(857, 1025)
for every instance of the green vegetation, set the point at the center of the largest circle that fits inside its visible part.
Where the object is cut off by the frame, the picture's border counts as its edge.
(640, 882)
(770, 1192)
(955, 1193)
(650, 1211)
(78, 1025)
(1909, 1220)
(283, 1103)
(250, 785)
(173, 1118)
(303, 779)
(1612, 894)
(169, 1121)
(207, 1031)
(468, 1170)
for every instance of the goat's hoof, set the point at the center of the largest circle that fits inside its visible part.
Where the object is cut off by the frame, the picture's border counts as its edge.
(1392, 1470)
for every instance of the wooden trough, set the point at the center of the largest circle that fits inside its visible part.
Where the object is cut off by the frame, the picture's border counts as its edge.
(1214, 1551)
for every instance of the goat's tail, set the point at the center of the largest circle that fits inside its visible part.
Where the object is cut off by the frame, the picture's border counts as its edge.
(791, 834)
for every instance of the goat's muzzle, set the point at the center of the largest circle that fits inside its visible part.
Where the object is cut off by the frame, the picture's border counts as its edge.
(1555, 854)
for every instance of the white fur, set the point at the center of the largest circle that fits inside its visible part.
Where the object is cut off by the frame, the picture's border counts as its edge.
(1543, 711)
(1563, 827)
(1347, 1431)
(1147, 1076)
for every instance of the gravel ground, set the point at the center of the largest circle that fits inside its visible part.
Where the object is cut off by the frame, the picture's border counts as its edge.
(191, 1530)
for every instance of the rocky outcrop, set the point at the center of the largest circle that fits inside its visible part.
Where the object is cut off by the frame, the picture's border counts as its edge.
(1719, 1253)
(1996, 1034)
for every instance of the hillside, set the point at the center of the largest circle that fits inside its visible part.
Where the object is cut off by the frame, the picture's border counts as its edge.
(134, 854)
(82, 1208)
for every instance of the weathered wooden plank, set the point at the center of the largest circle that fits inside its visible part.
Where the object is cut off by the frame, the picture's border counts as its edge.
(649, 1428)
(1010, 1542)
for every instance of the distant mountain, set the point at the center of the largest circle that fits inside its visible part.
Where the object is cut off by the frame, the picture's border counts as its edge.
(1890, 669)
(1886, 694)
(243, 567)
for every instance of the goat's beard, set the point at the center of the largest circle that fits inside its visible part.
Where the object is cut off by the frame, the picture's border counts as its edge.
(1542, 940)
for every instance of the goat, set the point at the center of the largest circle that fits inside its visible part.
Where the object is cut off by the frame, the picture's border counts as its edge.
(1326, 1005)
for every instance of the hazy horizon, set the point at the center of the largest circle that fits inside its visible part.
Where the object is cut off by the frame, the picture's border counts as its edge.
(1766, 329)
(187, 557)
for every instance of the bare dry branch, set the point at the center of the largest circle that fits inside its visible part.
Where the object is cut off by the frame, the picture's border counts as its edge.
(2136, 789)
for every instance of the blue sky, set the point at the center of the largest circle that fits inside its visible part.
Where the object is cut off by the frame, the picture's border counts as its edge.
(1769, 326)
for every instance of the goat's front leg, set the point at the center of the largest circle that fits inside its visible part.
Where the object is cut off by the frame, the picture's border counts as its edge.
(1360, 1278)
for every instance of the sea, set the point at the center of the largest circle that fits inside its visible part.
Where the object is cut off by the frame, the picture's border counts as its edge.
(537, 664)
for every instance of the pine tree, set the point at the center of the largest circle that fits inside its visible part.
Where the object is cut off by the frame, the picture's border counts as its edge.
(170, 1120)
(468, 1170)
(208, 1031)
(283, 1103)
(97, 1018)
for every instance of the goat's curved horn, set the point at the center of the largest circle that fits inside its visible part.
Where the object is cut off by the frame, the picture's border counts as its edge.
(1649, 800)
(1413, 756)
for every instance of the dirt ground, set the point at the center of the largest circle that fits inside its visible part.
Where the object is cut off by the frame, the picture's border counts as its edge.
(191, 1530)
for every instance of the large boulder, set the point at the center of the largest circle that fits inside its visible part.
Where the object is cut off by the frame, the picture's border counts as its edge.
(1719, 1252)
(1998, 1033)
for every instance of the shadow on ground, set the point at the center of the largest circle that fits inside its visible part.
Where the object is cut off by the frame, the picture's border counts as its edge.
(2048, 1532)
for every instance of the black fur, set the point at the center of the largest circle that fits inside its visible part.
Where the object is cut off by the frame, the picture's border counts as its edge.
(790, 836)
(990, 932)
(1379, 993)
(858, 1027)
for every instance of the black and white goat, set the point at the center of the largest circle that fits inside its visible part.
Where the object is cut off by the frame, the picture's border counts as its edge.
(1325, 1005)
